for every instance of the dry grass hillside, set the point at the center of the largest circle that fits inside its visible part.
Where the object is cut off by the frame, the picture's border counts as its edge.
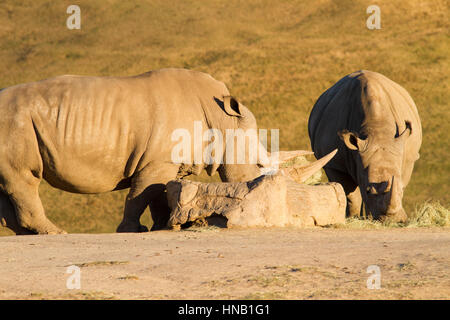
(276, 57)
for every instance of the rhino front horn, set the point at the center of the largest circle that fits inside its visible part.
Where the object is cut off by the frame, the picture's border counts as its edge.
(301, 174)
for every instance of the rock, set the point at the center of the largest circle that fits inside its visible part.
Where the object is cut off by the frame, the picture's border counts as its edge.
(267, 201)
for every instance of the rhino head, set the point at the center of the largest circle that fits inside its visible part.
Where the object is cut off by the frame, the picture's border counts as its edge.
(235, 172)
(378, 159)
(245, 121)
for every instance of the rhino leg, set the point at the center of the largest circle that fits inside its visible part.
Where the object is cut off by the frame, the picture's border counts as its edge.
(23, 191)
(148, 189)
(354, 203)
(8, 217)
(351, 189)
(159, 208)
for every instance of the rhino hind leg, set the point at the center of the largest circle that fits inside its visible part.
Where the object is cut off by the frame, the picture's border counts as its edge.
(351, 189)
(8, 217)
(148, 189)
(24, 195)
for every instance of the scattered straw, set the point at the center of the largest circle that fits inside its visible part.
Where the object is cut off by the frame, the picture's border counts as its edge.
(427, 214)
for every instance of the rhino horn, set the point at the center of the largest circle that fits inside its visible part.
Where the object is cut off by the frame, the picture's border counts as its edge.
(284, 156)
(301, 174)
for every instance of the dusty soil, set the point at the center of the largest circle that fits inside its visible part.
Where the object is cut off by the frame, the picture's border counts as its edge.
(229, 264)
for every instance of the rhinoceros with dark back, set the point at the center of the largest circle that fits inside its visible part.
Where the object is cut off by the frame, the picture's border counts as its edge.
(375, 125)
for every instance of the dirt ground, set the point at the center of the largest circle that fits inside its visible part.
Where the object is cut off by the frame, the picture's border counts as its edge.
(214, 263)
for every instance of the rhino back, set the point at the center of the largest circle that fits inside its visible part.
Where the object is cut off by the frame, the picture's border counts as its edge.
(336, 109)
(95, 132)
(86, 129)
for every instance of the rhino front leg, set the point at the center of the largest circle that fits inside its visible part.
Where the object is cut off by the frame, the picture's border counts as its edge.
(148, 189)
(354, 203)
(351, 189)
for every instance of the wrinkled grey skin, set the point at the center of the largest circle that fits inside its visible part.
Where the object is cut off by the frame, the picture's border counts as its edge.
(99, 134)
(375, 125)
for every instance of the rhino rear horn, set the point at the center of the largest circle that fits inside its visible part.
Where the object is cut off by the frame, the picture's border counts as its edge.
(301, 174)
(284, 156)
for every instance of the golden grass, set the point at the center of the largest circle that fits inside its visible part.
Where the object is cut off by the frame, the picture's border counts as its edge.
(430, 214)
(427, 214)
(100, 263)
(276, 57)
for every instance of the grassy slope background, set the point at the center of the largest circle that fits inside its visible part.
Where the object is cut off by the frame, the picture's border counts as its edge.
(277, 58)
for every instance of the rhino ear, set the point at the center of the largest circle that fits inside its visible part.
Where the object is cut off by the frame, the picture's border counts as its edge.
(351, 140)
(231, 106)
(406, 132)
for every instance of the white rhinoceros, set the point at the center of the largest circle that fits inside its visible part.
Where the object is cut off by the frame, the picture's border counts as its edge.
(375, 125)
(98, 134)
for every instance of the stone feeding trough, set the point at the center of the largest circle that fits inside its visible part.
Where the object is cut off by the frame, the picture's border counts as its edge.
(273, 200)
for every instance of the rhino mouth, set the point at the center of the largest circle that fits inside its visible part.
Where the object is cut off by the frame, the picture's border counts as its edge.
(378, 198)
